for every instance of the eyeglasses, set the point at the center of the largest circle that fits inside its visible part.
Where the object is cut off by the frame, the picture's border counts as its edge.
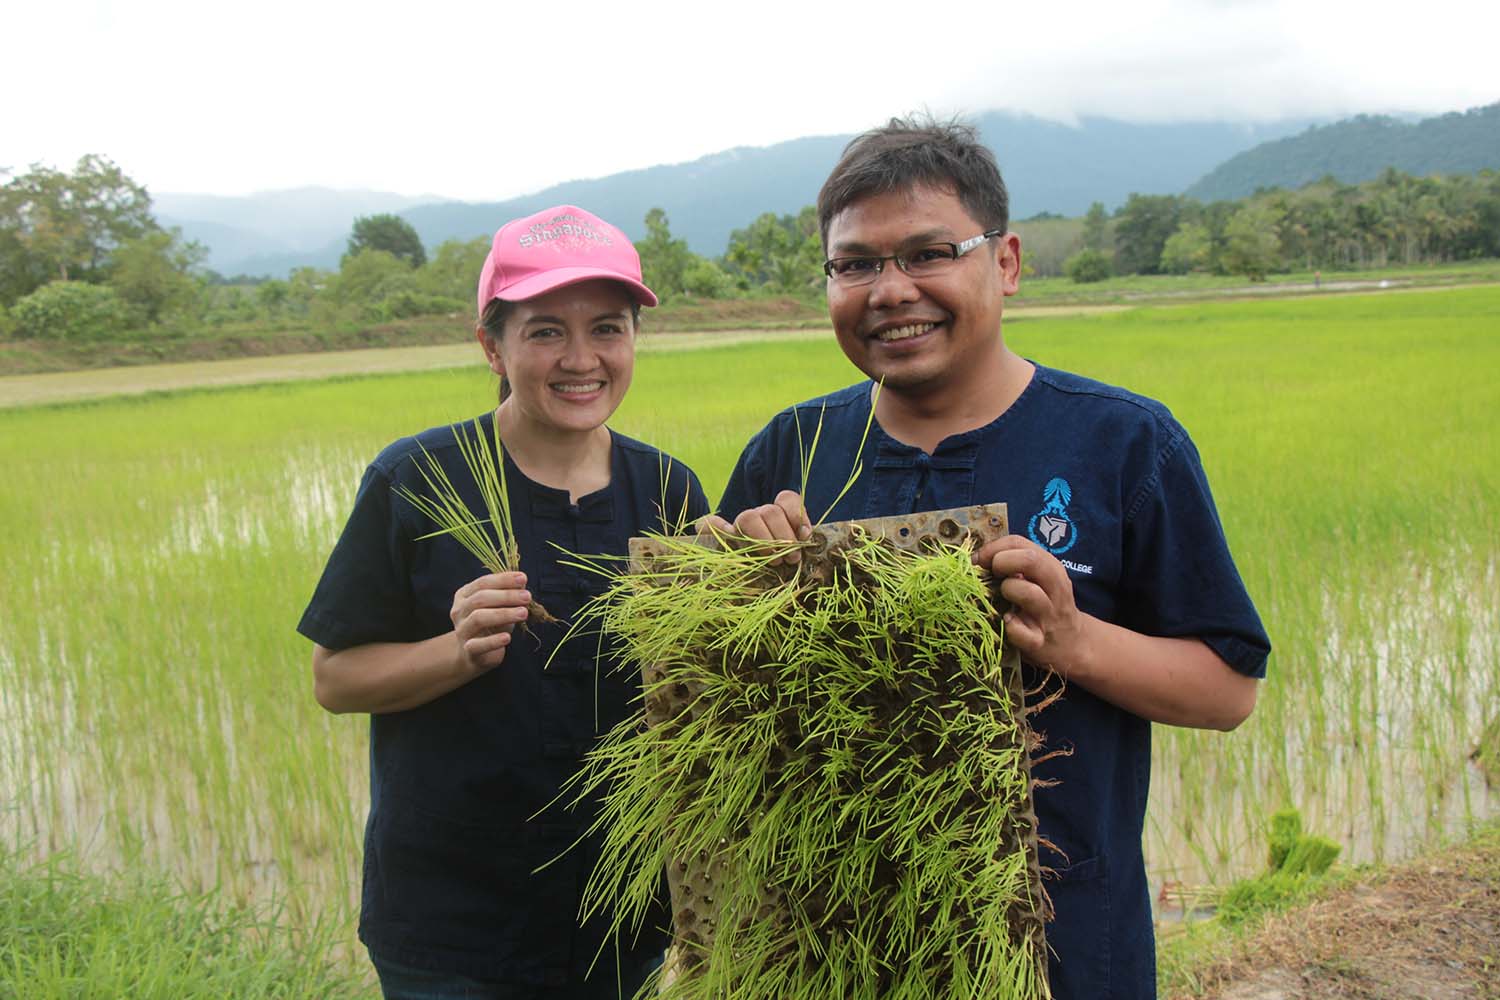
(923, 262)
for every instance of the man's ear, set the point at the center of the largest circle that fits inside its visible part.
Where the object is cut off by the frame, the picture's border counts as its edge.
(491, 350)
(1008, 259)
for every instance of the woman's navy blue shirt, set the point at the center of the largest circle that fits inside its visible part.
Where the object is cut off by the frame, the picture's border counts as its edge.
(464, 796)
(1109, 483)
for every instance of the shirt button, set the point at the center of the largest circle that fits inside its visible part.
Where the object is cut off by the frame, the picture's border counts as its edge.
(923, 460)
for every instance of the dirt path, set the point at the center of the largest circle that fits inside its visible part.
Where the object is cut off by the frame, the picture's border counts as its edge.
(64, 387)
(1426, 929)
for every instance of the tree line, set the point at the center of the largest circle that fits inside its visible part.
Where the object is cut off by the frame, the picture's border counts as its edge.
(82, 257)
(1395, 219)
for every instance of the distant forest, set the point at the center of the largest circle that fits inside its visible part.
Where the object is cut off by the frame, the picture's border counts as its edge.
(1358, 149)
(82, 257)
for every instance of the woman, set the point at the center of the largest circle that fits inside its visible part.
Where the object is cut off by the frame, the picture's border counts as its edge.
(470, 886)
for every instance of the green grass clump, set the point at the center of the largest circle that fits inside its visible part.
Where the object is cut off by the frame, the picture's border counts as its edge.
(68, 935)
(1298, 862)
(832, 768)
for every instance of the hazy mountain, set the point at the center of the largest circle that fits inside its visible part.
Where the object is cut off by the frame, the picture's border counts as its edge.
(1049, 167)
(1358, 150)
(284, 228)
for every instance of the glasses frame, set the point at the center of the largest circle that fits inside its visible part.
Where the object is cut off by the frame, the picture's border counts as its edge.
(959, 250)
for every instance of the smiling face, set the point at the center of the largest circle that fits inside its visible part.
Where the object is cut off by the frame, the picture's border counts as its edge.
(568, 356)
(933, 335)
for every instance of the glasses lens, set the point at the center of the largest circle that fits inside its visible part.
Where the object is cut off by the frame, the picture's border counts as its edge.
(929, 260)
(853, 270)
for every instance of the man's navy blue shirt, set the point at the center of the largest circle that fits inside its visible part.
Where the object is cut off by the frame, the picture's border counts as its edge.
(1109, 483)
(465, 789)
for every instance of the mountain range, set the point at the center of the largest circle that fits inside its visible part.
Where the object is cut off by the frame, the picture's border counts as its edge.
(1048, 166)
(1358, 149)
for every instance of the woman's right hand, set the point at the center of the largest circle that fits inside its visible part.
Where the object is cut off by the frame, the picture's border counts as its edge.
(485, 614)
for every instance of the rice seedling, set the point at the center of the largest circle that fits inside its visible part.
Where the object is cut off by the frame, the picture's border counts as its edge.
(447, 507)
(831, 763)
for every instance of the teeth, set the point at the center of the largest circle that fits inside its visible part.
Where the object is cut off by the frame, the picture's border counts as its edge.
(578, 387)
(904, 332)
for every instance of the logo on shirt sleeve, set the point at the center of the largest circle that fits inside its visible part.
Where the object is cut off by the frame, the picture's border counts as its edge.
(1051, 527)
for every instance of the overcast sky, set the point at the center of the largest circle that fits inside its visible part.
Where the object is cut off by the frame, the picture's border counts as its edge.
(484, 101)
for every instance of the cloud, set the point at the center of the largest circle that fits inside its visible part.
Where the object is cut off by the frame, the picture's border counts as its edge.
(481, 101)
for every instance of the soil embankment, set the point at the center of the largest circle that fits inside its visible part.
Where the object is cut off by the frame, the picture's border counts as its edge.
(1429, 928)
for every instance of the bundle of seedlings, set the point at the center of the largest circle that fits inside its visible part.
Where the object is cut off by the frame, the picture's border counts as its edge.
(831, 764)
(486, 533)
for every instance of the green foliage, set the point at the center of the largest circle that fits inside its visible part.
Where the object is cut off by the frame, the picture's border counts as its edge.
(453, 272)
(1096, 228)
(389, 233)
(64, 226)
(780, 253)
(373, 285)
(1188, 249)
(154, 274)
(664, 259)
(66, 935)
(1142, 228)
(70, 310)
(707, 280)
(271, 296)
(1252, 241)
(1087, 266)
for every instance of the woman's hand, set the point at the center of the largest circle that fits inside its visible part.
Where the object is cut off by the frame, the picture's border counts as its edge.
(485, 614)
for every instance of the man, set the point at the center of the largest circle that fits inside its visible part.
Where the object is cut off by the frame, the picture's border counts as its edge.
(1119, 576)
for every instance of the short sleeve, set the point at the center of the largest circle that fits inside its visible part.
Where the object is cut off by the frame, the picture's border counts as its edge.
(1178, 577)
(746, 487)
(364, 594)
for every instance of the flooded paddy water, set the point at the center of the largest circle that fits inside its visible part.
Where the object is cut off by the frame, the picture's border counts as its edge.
(156, 708)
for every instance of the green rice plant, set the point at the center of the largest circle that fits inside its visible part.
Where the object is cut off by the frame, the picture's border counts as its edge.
(65, 935)
(832, 766)
(445, 506)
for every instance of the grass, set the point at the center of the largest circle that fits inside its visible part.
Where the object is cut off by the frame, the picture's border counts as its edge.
(156, 710)
(66, 935)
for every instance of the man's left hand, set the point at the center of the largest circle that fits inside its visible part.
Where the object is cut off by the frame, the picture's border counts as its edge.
(1044, 623)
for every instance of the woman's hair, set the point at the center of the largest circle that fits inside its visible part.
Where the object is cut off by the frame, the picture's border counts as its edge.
(497, 311)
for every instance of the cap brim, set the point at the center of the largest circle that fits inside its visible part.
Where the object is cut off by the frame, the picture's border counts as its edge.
(561, 277)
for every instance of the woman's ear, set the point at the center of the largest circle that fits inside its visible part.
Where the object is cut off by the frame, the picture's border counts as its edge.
(491, 348)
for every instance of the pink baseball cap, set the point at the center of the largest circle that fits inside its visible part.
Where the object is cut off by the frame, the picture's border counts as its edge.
(557, 247)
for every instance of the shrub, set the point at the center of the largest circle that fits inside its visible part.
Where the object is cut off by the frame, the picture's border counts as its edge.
(1087, 266)
(70, 310)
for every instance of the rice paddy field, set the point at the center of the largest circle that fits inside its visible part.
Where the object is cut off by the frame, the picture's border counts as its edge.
(156, 711)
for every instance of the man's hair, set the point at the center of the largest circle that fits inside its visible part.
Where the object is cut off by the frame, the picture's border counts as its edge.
(912, 152)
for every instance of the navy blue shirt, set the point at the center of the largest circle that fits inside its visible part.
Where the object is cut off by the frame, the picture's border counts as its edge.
(465, 789)
(1108, 482)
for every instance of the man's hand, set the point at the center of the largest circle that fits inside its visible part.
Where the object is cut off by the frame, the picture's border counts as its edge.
(1044, 623)
(782, 521)
(1175, 680)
